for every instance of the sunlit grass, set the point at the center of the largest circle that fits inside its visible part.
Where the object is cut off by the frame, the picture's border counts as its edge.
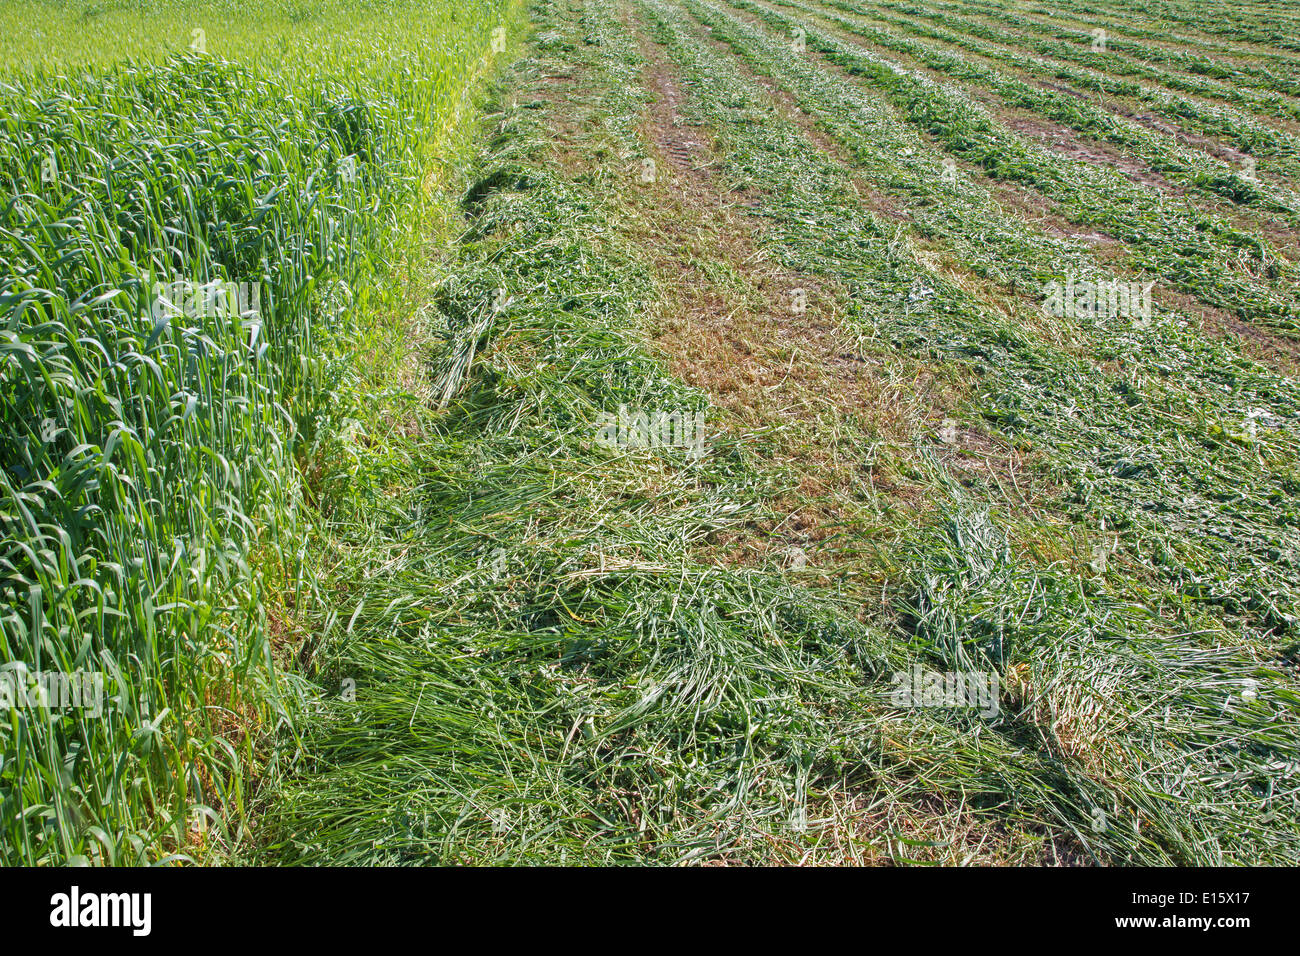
(152, 495)
(364, 585)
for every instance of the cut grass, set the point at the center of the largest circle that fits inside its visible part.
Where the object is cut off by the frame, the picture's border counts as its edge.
(760, 150)
(584, 688)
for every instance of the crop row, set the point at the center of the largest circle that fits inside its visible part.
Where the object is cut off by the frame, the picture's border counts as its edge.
(1027, 388)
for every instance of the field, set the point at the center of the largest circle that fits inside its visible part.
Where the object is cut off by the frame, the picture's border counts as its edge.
(650, 431)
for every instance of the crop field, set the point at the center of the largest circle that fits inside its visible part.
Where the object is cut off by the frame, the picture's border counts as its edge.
(650, 431)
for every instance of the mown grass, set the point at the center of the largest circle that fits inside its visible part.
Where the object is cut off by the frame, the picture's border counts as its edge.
(542, 673)
(1243, 23)
(1261, 90)
(817, 233)
(154, 451)
(546, 666)
(1239, 130)
(969, 223)
(1190, 249)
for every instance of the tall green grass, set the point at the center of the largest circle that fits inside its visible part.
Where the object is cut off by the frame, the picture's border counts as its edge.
(150, 501)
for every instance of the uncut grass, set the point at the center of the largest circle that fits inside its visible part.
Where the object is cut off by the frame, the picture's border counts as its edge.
(287, 36)
(747, 128)
(151, 510)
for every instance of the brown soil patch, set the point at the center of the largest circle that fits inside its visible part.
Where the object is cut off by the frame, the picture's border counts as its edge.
(765, 343)
(683, 147)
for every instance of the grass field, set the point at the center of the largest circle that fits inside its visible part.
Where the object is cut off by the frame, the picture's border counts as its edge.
(651, 431)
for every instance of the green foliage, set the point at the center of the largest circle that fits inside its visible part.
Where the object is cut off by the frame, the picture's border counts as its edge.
(151, 436)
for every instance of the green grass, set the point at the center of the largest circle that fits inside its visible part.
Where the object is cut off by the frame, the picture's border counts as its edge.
(365, 585)
(152, 491)
(1190, 249)
(542, 673)
(1237, 129)
(1182, 70)
(1024, 386)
